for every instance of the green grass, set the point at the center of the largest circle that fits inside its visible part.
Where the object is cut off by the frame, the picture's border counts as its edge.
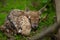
(2, 18)
(21, 4)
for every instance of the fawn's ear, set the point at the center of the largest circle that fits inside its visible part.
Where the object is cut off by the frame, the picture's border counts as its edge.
(40, 12)
(27, 9)
(27, 14)
(43, 9)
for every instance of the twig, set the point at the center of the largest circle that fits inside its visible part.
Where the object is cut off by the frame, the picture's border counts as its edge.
(44, 33)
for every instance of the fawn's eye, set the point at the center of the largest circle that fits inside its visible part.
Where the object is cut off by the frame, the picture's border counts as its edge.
(39, 18)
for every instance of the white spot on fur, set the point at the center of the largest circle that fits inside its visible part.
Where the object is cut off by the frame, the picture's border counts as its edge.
(7, 30)
(29, 16)
(19, 31)
(15, 25)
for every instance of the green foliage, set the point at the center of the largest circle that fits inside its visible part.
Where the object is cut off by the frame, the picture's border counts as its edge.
(2, 18)
(2, 36)
(12, 4)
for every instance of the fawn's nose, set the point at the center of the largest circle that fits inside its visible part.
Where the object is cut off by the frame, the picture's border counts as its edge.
(34, 26)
